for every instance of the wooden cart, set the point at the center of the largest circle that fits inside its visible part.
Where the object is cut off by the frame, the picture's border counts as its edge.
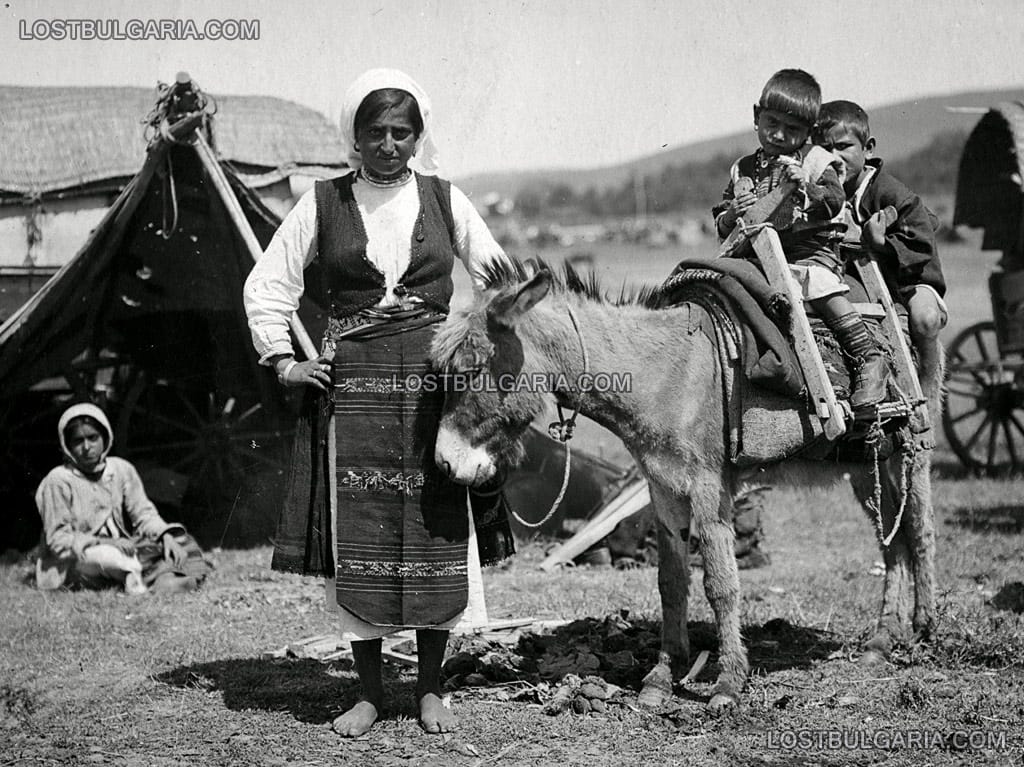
(984, 415)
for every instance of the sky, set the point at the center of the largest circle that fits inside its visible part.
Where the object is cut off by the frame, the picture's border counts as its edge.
(544, 83)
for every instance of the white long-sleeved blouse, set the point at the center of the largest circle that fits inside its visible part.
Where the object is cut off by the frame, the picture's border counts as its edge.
(275, 285)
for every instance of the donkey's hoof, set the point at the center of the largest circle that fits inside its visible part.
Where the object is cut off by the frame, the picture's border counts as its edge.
(657, 688)
(871, 659)
(652, 697)
(923, 627)
(880, 643)
(722, 702)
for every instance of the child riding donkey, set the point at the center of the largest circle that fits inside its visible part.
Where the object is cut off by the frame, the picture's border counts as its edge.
(809, 221)
(903, 244)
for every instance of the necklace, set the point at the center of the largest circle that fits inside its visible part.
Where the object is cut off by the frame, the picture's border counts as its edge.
(384, 183)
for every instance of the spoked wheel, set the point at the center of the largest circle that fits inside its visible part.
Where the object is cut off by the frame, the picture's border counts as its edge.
(28, 420)
(984, 414)
(215, 440)
(29, 447)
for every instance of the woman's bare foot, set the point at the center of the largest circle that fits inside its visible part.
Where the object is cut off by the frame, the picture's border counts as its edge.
(434, 717)
(357, 720)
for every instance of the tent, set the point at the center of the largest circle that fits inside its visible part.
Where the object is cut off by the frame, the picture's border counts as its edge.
(990, 184)
(146, 319)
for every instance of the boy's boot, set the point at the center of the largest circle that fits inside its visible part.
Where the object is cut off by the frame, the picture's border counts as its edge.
(870, 369)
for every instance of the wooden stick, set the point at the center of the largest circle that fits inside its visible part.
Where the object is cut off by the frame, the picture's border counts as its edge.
(695, 669)
(510, 623)
(220, 183)
(877, 291)
(401, 658)
(823, 398)
(631, 500)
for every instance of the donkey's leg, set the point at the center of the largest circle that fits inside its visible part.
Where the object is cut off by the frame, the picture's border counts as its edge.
(712, 514)
(673, 529)
(894, 617)
(919, 523)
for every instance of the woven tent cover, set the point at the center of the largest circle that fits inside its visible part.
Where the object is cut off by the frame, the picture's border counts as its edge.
(990, 186)
(54, 138)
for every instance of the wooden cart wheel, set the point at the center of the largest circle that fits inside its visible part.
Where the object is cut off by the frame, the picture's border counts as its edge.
(28, 419)
(216, 440)
(984, 414)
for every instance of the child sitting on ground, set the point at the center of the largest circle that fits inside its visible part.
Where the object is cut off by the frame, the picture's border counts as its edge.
(98, 525)
(809, 221)
(905, 249)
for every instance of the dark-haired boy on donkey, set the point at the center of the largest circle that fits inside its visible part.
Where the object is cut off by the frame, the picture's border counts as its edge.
(809, 221)
(904, 247)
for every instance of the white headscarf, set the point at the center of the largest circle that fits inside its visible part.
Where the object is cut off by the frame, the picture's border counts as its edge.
(94, 412)
(375, 80)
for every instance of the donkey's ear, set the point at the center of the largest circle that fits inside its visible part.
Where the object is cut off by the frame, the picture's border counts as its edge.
(517, 300)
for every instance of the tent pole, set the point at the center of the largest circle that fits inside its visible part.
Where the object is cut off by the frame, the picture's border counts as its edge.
(234, 210)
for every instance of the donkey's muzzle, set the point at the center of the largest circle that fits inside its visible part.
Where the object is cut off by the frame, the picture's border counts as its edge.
(461, 461)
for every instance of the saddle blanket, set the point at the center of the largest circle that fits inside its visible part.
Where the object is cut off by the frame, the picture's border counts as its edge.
(763, 387)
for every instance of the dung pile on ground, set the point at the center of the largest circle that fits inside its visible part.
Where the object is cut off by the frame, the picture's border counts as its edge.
(615, 649)
(581, 696)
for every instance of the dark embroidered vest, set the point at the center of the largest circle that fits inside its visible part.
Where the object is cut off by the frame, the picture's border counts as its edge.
(348, 282)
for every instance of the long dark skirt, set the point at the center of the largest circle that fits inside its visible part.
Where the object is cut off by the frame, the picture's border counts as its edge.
(401, 526)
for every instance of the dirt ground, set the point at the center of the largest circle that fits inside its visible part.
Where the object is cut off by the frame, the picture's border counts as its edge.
(98, 678)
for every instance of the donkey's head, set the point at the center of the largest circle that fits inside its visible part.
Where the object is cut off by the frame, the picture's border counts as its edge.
(490, 358)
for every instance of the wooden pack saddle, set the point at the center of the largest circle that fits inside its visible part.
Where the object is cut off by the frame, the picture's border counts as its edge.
(835, 417)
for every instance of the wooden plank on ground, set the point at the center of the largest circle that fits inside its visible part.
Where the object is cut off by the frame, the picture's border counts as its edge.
(315, 647)
(632, 499)
(823, 399)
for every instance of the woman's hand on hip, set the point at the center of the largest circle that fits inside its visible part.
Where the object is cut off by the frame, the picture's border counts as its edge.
(308, 373)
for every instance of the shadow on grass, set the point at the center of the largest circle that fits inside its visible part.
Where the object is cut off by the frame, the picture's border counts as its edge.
(621, 653)
(997, 519)
(950, 467)
(302, 688)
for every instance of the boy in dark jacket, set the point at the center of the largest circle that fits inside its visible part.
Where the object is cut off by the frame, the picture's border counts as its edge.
(905, 249)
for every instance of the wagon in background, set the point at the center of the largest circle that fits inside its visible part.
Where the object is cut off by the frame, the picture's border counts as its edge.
(984, 414)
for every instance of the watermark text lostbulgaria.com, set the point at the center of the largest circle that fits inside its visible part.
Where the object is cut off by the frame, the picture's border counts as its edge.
(887, 740)
(139, 29)
(507, 383)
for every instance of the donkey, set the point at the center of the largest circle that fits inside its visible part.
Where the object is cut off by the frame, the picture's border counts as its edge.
(673, 421)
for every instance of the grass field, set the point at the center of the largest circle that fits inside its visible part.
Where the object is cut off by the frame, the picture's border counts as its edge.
(98, 678)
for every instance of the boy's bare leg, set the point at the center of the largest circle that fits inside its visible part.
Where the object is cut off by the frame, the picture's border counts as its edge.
(927, 318)
(360, 718)
(430, 647)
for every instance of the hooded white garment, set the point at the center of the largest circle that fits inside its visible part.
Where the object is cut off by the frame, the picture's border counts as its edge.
(426, 156)
(94, 412)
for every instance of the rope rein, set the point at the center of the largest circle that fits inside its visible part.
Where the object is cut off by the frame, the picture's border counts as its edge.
(562, 431)
(908, 452)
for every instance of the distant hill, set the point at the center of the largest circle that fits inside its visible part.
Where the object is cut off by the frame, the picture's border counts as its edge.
(902, 129)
